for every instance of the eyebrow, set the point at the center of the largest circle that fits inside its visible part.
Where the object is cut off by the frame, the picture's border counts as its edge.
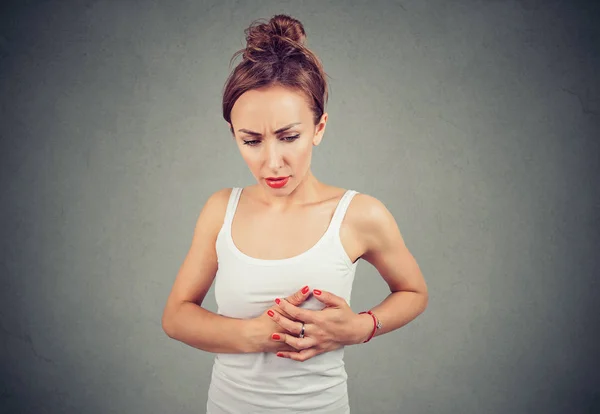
(257, 134)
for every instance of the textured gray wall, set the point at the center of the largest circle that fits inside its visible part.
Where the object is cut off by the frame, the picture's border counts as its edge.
(476, 122)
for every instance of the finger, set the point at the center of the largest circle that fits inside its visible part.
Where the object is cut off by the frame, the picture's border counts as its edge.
(280, 311)
(295, 312)
(291, 326)
(283, 347)
(296, 343)
(329, 298)
(288, 348)
(295, 299)
(276, 310)
(299, 296)
(301, 356)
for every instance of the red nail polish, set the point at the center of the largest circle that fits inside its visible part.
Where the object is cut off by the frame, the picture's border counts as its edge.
(275, 336)
(279, 354)
(270, 313)
(304, 290)
(317, 292)
(277, 301)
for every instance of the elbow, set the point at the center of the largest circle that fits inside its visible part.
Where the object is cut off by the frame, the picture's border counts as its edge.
(425, 301)
(167, 323)
(166, 327)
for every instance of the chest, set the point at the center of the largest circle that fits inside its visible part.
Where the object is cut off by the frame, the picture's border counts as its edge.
(269, 236)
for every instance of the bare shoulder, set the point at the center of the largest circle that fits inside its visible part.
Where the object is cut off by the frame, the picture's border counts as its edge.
(366, 211)
(383, 246)
(366, 204)
(215, 208)
(220, 197)
(372, 223)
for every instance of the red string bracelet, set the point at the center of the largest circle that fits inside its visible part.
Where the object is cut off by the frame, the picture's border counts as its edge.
(376, 325)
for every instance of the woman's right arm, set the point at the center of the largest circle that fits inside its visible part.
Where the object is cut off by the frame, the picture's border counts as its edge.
(185, 320)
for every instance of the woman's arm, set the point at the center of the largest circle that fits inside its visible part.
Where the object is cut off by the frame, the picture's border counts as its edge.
(185, 320)
(183, 317)
(205, 330)
(386, 250)
(337, 325)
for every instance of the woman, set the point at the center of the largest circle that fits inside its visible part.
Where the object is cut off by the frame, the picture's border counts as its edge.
(288, 237)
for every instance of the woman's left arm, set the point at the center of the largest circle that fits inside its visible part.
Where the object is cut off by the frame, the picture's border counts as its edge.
(386, 250)
(337, 324)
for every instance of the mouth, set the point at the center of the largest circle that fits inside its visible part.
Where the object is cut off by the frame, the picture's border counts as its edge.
(277, 182)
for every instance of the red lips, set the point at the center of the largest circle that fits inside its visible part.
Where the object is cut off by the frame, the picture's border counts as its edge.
(277, 182)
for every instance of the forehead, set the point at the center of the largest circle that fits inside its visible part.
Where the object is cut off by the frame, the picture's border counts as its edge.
(273, 104)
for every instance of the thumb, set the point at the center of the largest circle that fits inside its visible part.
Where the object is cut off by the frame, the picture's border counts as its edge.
(329, 298)
(299, 296)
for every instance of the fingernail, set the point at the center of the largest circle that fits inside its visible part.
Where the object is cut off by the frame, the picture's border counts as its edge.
(277, 301)
(270, 313)
(279, 354)
(304, 290)
(317, 292)
(275, 336)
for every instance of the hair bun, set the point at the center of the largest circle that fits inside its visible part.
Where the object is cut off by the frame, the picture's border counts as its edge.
(276, 54)
(288, 27)
(269, 37)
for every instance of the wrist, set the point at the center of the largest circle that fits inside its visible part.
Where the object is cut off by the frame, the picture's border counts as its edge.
(250, 342)
(376, 324)
(363, 328)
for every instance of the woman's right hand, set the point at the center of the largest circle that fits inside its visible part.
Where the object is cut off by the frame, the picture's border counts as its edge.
(262, 327)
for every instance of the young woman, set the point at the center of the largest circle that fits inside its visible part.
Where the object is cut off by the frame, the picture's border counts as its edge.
(283, 252)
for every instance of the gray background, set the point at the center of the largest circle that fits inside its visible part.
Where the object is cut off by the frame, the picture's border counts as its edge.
(477, 123)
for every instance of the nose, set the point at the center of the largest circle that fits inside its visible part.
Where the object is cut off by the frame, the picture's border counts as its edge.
(274, 156)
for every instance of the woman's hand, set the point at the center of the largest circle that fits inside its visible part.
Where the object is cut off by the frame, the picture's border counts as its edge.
(326, 330)
(260, 329)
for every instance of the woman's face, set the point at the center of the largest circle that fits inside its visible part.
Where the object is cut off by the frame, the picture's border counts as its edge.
(274, 131)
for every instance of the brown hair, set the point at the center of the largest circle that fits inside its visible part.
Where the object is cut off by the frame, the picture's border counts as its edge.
(275, 54)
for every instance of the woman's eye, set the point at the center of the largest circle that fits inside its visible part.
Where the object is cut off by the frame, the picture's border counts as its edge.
(255, 142)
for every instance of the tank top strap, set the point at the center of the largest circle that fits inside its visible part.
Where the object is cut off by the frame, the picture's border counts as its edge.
(340, 210)
(234, 198)
(336, 221)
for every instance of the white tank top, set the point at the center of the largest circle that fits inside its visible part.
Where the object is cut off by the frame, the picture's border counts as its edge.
(245, 287)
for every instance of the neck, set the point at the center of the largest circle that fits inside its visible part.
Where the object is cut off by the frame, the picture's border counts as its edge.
(308, 191)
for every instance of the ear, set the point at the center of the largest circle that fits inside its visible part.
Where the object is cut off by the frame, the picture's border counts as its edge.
(320, 129)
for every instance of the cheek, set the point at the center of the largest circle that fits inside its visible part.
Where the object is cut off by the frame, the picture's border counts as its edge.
(305, 154)
(301, 153)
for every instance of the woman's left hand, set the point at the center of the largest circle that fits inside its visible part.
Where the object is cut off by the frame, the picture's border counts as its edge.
(325, 330)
